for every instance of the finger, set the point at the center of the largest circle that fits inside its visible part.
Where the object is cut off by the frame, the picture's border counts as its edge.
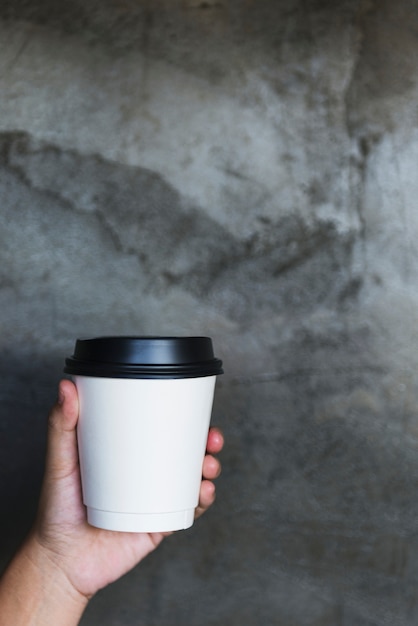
(211, 467)
(206, 498)
(215, 441)
(62, 455)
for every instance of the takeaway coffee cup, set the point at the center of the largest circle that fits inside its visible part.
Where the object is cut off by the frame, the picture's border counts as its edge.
(145, 407)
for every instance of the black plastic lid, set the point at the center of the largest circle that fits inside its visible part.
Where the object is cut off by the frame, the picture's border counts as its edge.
(144, 357)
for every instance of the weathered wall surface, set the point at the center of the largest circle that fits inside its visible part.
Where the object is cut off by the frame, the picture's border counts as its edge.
(246, 170)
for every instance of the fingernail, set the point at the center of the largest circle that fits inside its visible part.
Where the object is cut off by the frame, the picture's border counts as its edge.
(61, 396)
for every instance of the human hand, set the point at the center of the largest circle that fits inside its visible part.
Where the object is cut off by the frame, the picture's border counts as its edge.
(92, 557)
(62, 544)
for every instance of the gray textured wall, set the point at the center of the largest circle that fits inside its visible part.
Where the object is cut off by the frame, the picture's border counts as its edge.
(246, 170)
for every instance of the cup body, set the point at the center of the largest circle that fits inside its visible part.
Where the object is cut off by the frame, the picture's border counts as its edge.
(141, 448)
(145, 408)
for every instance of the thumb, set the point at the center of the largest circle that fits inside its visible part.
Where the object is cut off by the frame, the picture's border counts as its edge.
(62, 454)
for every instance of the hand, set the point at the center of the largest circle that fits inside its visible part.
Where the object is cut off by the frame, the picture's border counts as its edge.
(62, 546)
(91, 557)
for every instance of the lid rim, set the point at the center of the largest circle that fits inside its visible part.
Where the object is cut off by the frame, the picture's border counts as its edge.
(144, 357)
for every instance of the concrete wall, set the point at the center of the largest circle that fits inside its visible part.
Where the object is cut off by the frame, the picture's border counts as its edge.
(246, 170)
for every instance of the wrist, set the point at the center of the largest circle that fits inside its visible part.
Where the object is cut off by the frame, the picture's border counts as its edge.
(35, 591)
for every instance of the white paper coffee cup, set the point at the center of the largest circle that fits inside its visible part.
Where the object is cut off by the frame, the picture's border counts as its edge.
(145, 408)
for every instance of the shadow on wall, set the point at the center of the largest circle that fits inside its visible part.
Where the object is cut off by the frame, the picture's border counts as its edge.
(27, 392)
(283, 265)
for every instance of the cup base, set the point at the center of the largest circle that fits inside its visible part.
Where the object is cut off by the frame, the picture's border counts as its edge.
(140, 522)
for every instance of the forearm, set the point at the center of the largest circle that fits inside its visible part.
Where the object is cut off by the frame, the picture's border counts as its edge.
(35, 592)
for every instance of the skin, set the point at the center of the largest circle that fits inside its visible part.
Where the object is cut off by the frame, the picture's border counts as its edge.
(65, 561)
